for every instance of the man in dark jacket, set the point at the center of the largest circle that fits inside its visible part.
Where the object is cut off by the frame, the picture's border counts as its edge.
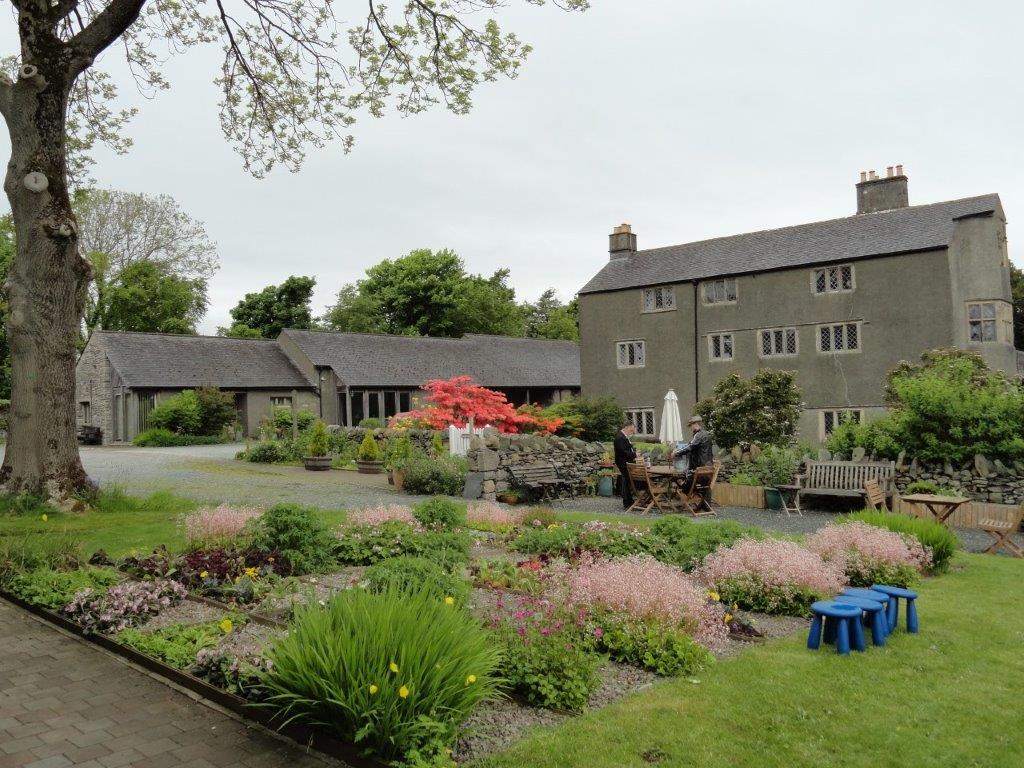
(625, 453)
(698, 450)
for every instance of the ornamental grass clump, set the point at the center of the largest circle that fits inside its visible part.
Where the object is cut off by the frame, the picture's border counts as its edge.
(771, 576)
(394, 672)
(644, 589)
(221, 525)
(870, 555)
(382, 513)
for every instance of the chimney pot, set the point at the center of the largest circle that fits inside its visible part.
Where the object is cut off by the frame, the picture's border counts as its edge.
(863, 175)
(888, 172)
(876, 194)
(899, 170)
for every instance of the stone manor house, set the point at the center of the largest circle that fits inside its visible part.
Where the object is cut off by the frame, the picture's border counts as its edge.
(840, 302)
(341, 377)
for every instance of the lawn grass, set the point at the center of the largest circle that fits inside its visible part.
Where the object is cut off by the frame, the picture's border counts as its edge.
(117, 523)
(949, 696)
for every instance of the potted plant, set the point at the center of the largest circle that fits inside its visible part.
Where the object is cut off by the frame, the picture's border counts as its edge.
(317, 446)
(606, 482)
(398, 454)
(511, 496)
(368, 459)
(607, 461)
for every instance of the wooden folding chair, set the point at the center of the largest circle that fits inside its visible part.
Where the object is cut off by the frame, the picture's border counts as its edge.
(695, 497)
(1002, 532)
(875, 496)
(657, 492)
(638, 482)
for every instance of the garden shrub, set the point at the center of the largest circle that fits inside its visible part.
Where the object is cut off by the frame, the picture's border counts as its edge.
(563, 540)
(417, 573)
(440, 514)
(548, 659)
(179, 644)
(772, 576)
(441, 475)
(33, 550)
(124, 605)
(298, 535)
(270, 452)
(394, 672)
(927, 486)
(942, 541)
(304, 418)
(398, 451)
(223, 525)
(871, 555)
(685, 544)
(762, 410)
(744, 478)
(640, 587)
(179, 413)
(216, 410)
(371, 423)
(500, 573)
(52, 589)
(650, 644)
(315, 441)
(368, 448)
(593, 419)
(369, 544)
(159, 437)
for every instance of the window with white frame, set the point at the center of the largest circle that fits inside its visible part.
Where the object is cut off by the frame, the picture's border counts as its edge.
(280, 402)
(659, 299)
(642, 419)
(631, 354)
(833, 417)
(982, 321)
(838, 279)
(720, 291)
(720, 346)
(839, 337)
(778, 342)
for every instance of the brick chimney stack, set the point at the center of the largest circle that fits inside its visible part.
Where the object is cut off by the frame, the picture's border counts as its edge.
(621, 242)
(875, 193)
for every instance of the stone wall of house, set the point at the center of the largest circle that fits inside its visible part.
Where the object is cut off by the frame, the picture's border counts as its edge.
(93, 385)
(491, 456)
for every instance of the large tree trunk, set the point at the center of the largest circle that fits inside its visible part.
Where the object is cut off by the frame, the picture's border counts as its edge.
(46, 287)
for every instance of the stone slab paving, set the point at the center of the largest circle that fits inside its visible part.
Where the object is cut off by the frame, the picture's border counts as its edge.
(64, 702)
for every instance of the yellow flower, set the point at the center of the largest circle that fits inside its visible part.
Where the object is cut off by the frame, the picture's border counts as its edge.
(44, 517)
(403, 692)
(714, 596)
(553, 525)
(251, 572)
(735, 607)
(373, 689)
(728, 618)
(393, 667)
(471, 679)
(226, 626)
(203, 574)
(449, 600)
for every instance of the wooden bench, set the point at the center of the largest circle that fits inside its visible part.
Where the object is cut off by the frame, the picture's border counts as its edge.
(539, 480)
(844, 478)
(1002, 532)
(90, 435)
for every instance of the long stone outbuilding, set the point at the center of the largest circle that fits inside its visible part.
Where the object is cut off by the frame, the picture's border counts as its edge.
(341, 377)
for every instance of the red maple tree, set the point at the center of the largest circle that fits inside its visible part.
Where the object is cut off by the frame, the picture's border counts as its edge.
(458, 400)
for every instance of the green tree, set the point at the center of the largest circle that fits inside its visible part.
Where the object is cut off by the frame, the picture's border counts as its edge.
(268, 312)
(1017, 290)
(292, 75)
(147, 298)
(549, 318)
(761, 410)
(427, 293)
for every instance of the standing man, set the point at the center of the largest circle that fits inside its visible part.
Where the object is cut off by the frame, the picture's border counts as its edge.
(625, 453)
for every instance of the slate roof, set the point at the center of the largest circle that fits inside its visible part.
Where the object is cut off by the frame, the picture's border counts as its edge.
(170, 360)
(904, 230)
(366, 359)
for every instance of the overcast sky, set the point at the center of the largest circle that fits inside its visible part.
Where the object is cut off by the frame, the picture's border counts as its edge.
(687, 119)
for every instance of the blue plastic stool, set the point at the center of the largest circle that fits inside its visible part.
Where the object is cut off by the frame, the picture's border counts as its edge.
(839, 622)
(881, 597)
(874, 611)
(895, 593)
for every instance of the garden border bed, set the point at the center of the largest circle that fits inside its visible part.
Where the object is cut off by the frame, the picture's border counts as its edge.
(304, 736)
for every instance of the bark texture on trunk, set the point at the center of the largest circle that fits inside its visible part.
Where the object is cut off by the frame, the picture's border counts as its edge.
(48, 279)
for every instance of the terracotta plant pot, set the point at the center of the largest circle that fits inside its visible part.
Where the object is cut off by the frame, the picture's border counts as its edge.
(398, 478)
(369, 467)
(316, 463)
(507, 498)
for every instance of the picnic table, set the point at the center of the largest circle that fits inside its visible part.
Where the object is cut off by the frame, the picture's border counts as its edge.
(940, 507)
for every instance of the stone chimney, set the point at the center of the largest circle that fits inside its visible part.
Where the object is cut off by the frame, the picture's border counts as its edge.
(882, 194)
(621, 242)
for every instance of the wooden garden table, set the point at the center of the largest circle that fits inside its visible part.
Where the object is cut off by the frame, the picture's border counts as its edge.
(940, 507)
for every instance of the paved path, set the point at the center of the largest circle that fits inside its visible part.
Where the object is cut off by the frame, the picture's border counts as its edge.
(66, 703)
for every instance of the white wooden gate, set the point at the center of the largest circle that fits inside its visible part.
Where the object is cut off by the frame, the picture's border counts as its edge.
(458, 437)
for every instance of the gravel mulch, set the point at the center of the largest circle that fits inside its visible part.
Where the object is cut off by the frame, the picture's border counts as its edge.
(251, 636)
(320, 587)
(185, 612)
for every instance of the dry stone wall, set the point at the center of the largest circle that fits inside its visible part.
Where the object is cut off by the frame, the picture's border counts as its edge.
(492, 456)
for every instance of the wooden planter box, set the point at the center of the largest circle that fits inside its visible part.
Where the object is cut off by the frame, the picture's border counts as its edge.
(738, 495)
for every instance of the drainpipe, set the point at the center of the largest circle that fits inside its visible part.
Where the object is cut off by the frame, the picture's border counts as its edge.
(696, 345)
(320, 389)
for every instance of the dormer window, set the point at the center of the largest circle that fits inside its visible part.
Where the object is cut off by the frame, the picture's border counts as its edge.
(659, 299)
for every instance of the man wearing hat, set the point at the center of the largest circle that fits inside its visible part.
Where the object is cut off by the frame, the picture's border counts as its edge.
(698, 451)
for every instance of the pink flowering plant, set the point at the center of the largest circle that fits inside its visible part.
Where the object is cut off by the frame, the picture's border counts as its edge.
(382, 513)
(489, 516)
(870, 555)
(124, 605)
(771, 576)
(223, 525)
(549, 659)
